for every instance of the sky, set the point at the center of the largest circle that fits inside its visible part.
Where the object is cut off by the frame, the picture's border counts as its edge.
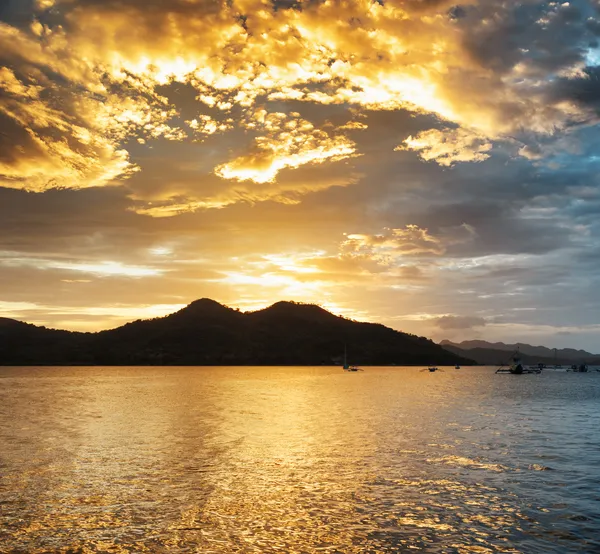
(427, 165)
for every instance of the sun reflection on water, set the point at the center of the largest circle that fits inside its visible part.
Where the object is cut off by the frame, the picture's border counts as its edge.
(289, 460)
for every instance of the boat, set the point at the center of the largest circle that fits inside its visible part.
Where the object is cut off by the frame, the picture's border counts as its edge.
(431, 369)
(581, 368)
(517, 368)
(556, 364)
(346, 366)
(456, 366)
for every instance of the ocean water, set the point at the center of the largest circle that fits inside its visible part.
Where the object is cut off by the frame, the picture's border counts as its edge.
(298, 460)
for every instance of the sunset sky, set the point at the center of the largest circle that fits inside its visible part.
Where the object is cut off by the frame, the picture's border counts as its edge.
(430, 166)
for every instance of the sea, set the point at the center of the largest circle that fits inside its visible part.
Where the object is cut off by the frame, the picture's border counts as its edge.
(298, 460)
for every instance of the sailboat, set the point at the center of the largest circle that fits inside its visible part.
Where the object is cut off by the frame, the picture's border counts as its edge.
(556, 364)
(346, 366)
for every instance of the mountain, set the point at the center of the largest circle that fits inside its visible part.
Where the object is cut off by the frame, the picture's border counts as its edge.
(492, 353)
(566, 353)
(208, 333)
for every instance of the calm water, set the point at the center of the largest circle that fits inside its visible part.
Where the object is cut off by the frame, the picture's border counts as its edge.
(295, 460)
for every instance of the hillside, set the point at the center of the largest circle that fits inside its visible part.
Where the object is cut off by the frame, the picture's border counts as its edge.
(208, 333)
(497, 353)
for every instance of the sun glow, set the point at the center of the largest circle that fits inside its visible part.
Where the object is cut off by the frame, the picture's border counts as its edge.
(288, 284)
(101, 269)
(292, 262)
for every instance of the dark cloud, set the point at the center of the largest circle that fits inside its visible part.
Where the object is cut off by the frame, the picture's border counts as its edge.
(544, 37)
(459, 322)
(16, 12)
(584, 90)
(59, 220)
(16, 144)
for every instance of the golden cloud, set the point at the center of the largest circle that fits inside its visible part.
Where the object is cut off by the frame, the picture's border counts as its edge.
(55, 149)
(449, 146)
(390, 247)
(291, 142)
(285, 192)
(114, 58)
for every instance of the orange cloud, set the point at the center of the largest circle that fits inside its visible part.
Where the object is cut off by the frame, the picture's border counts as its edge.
(411, 55)
(394, 244)
(290, 142)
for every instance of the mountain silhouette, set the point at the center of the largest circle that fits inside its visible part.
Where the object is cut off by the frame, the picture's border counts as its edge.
(491, 353)
(208, 333)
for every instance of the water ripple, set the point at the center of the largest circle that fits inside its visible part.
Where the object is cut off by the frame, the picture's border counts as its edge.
(297, 460)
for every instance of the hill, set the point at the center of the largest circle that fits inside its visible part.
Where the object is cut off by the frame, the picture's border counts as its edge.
(208, 333)
(498, 352)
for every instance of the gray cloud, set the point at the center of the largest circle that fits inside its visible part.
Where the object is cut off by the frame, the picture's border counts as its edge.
(544, 37)
(459, 322)
(584, 89)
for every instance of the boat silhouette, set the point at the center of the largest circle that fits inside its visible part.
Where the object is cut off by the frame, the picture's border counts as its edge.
(346, 366)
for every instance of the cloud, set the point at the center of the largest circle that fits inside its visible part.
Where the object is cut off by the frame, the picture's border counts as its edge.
(53, 149)
(79, 113)
(583, 89)
(412, 273)
(185, 196)
(448, 147)
(392, 245)
(246, 137)
(418, 56)
(459, 322)
(291, 142)
(103, 268)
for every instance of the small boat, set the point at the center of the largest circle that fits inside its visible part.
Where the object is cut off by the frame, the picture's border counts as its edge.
(456, 366)
(348, 367)
(431, 369)
(517, 368)
(581, 368)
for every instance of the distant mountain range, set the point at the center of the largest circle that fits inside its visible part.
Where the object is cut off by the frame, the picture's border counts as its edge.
(491, 353)
(208, 333)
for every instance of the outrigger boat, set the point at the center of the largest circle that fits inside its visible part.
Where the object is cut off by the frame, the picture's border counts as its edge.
(517, 368)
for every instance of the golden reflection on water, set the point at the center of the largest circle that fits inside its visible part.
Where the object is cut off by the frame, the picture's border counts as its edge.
(283, 460)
